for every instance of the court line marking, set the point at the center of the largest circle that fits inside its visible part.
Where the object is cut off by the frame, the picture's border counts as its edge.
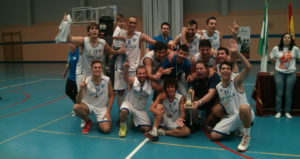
(164, 143)
(226, 148)
(31, 130)
(73, 134)
(24, 77)
(26, 110)
(20, 84)
(274, 154)
(137, 148)
(191, 146)
(22, 101)
(212, 148)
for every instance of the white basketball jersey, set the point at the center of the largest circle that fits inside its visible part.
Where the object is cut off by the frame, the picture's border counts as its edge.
(138, 96)
(211, 62)
(89, 54)
(97, 95)
(172, 109)
(214, 39)
(133, 50)
(231, 98)
(194, 45)
(155, 63)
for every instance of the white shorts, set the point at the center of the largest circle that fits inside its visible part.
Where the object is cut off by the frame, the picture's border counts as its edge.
(99, 112)
(231, 123)
(119, 83)
(168, 123)
(140, 117)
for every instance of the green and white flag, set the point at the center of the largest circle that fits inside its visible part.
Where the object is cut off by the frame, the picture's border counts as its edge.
(263, 42)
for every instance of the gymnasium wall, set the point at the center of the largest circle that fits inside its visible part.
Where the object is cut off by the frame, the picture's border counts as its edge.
(46, 16)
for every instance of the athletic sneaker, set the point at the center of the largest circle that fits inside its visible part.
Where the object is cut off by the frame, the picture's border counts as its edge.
(288, 115)
(122, 131)
(73, 113)
(245, 143)
(161, 132)
(86, 128)
(278, 115)
(152, 135)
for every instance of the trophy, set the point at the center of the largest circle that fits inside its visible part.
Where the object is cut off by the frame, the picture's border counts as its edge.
(189, 103)
(189, 99)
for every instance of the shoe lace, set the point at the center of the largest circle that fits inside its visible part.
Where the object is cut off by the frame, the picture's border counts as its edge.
(153, 133)
(86, 125)
(244, 140)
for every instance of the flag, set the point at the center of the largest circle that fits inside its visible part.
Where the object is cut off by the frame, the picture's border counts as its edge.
(291, 22)
(263, 42)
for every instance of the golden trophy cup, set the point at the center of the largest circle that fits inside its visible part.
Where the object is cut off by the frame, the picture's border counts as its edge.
(189, 103)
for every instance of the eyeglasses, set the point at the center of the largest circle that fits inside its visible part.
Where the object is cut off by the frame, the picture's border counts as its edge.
(132, 22)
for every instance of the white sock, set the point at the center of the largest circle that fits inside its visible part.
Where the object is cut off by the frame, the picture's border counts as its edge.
(122, 123)
(247, 131)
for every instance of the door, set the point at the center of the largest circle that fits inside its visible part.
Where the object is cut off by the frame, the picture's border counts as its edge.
(13, 49)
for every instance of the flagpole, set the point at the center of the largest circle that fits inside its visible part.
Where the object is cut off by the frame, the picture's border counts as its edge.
(264, 56)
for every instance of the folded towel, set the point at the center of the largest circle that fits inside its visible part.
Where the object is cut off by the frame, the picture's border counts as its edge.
(64, 30)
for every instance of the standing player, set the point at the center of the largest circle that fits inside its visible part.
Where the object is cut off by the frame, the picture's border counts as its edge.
(189, 37)
(93, 48)
(134, 54)
(212, 34)
(163, 37)
(133, 43)
(96, 96)
(234, 101)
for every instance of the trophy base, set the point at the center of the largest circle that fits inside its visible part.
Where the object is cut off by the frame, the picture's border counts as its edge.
(188, 106)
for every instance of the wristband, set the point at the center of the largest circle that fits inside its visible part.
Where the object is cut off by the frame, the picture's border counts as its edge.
(200, 102)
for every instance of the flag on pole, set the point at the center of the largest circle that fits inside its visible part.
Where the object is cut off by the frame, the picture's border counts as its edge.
(291, 22)
(263, 42)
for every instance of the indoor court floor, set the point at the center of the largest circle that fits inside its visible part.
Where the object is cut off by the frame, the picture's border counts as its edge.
(36, 123)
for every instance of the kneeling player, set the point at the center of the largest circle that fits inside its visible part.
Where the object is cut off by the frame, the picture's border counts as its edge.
(168, 110)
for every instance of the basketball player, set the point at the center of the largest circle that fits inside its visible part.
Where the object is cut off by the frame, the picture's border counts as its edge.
(233, 99)
(95, 96)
